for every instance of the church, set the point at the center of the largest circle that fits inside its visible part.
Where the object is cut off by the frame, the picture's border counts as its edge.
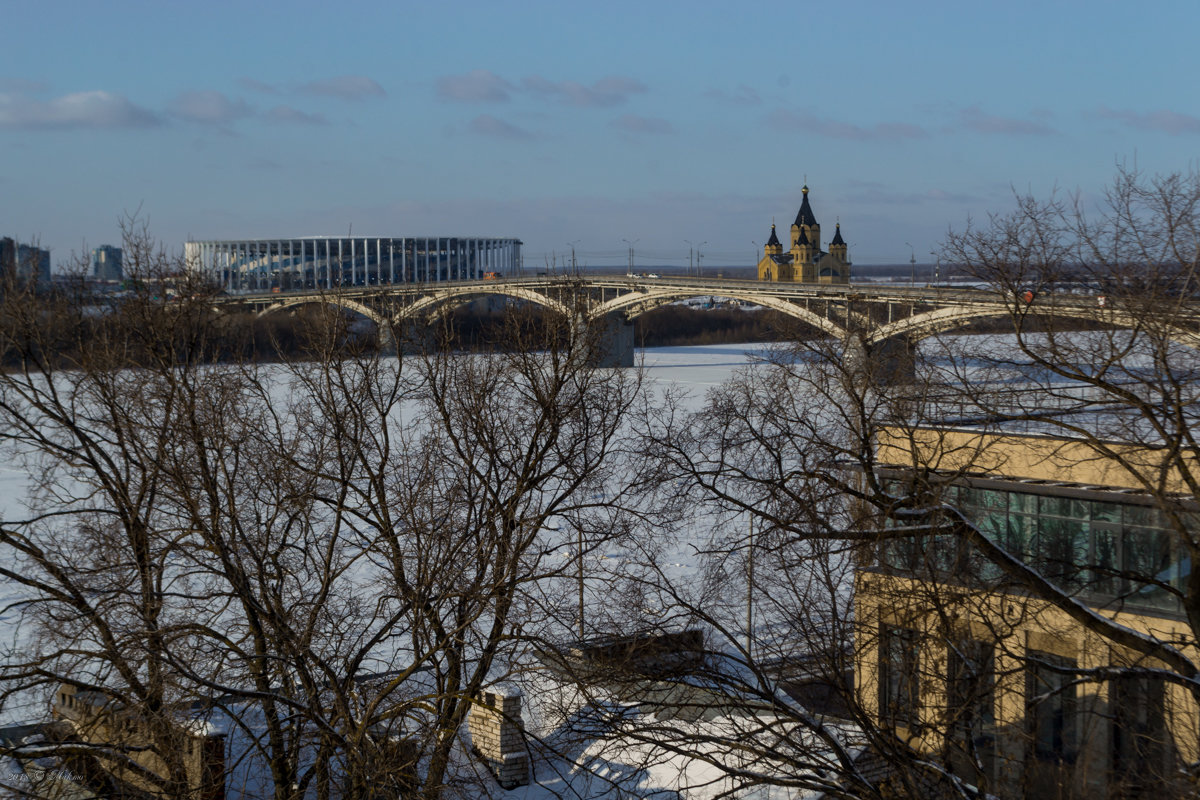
(805, 262)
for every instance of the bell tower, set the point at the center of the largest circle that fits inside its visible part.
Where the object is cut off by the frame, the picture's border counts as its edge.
(770, 268)
(837, 246)
(802, 254)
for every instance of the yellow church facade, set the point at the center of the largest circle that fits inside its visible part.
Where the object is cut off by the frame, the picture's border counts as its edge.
(805, 261)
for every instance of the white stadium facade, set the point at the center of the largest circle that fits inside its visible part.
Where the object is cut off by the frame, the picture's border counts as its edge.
(330, 262)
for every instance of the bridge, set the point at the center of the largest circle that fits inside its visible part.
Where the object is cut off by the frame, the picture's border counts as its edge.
(879, 318)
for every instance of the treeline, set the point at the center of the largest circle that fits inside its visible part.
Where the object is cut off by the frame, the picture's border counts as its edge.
(675, 325)
(65, 340)
(668, 326)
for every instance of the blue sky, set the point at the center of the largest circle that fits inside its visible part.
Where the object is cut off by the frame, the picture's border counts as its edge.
(592, 123)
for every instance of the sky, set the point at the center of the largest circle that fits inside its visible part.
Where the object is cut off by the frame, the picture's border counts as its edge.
(665, 126)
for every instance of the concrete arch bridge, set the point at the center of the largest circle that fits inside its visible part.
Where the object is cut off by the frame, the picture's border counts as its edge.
(877, 319)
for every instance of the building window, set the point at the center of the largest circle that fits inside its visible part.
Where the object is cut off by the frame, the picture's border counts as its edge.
(899, 676)
(971, 695)
(1139, 736)
(1050, 707)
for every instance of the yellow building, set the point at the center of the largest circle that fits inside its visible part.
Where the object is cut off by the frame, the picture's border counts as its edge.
(1013, 693)
(133, 765)
(805, 261)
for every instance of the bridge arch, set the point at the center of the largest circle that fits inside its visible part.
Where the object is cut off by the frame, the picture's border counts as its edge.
(928, 323)
(641, 303)
(456, 296)
(332, 300)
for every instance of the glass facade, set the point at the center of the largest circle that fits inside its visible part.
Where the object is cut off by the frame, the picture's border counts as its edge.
(327, 263)
(1116, 554)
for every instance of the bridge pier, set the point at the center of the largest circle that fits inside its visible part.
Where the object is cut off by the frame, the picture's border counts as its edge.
(891, 361)
(612, 340)
(385, 339)
(407, 337)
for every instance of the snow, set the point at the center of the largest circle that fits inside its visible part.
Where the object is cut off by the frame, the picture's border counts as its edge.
(599, 765)
(689, 371)
(696, 369)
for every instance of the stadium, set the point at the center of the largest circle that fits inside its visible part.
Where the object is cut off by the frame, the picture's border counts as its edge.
(330, 262)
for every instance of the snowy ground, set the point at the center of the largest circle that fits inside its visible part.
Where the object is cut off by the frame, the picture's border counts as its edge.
(696, 368)
(690, 370)
(693, 370)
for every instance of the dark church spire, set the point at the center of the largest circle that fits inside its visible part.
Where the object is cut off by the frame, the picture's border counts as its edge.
(805, 215)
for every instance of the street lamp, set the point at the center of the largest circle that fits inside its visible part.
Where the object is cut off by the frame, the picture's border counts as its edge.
(631, 244)
(574, 269)
(694, 249)
(750, 589)
(937, 270)
(912, 278)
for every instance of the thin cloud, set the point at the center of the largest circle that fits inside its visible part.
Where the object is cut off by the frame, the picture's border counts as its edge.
(262, 163)
(476, 86)
(347, 87)
(743, 95)
(875, 193)
(257, 86)
(604, 93)
(632, 123)
(22, 85)
(1164, 121)
(80, 110)
(209, 108)
(976, 120)
(295, 116)
(487, 125)
(804, 122)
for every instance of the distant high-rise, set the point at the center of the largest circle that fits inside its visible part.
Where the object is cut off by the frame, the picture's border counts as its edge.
(8, 257)
(33, 263)
(25, 262)
(106, 263)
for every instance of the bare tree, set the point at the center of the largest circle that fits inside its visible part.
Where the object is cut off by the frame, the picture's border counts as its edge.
(859, 485)
(327, 560)
(87, 401)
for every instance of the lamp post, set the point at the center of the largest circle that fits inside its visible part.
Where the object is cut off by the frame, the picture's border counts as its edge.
(631, 244)
(750, 590)
(691, 250)
(574, 269)
(699, 256)
(579, 530)
(912, 278)
(937, 270)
